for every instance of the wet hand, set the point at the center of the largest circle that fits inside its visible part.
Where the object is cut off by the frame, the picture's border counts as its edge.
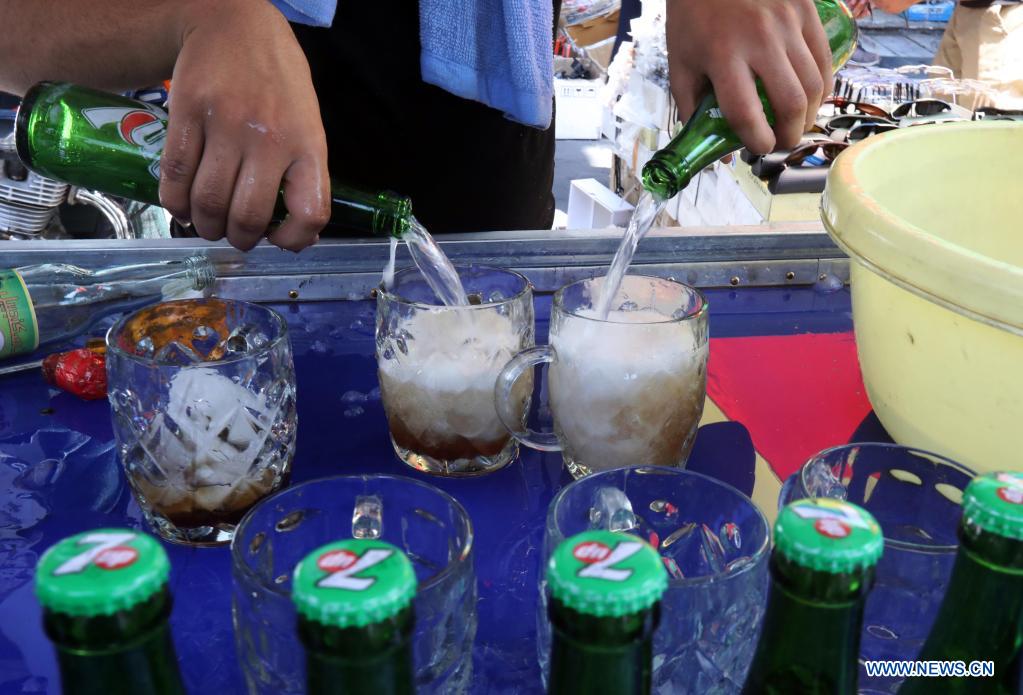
(729, 44)
(244, 121)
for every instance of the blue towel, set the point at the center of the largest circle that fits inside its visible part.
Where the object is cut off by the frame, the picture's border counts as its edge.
(498, 52)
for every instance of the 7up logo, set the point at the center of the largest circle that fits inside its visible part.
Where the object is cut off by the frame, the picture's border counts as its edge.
(104, 550)
(342, 566)
(831, 520)
(1013, 492)
(599, 559)
(143, 126)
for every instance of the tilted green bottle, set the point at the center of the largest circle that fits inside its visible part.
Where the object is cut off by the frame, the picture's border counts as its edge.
(355, 618)
(105, 607)
(605, 592)
(113, 144)
(707, 136)
(981, 616)
(822, 568)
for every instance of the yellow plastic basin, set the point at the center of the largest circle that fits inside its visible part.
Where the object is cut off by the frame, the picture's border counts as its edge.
(932, 218)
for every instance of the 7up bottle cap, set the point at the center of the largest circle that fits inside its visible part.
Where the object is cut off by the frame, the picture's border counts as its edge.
(353, 583)
(101, 572)
(828, 535)
(994, 502)
(601, 573)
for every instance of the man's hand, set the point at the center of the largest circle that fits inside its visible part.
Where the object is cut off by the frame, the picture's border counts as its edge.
(243, 119)
(730, 44)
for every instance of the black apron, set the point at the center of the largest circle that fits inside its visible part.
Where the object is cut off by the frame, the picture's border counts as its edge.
(466, 167)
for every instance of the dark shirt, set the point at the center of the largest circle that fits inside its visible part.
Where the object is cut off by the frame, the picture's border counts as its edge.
(466, 167)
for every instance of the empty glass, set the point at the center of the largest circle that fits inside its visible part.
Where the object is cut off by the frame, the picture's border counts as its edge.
(437, 367)
(427, 524)
(625, 390)
(915, 497)
(714, 542)
(203, 399)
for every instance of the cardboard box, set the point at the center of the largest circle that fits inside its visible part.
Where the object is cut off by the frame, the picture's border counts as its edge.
(790, 207)
(592, 205)
(594, 30)
(579, 110)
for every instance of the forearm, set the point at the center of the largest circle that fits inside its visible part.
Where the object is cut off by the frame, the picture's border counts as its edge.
(108, 44)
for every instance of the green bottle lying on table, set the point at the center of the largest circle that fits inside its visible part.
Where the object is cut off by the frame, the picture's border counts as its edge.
(105, 607)
(707, 136)
(355, 618)
(605, 593)
(822, 568)
(981, 616)
(113, 144)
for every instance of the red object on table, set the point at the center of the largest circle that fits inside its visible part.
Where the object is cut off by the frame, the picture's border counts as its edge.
(82, 372)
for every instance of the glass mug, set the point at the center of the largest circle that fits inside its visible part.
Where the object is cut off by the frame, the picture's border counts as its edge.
(437, 366)
(627, 390)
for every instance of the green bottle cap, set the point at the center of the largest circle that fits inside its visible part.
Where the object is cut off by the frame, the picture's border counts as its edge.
(353, 583)
(994, 502)
(606, 574)
(101, 572)
(828, 535)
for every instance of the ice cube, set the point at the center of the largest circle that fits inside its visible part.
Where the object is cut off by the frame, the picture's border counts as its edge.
(628, 305)
(367, 517)
(495, 296)
(145, 347)
(612, 510)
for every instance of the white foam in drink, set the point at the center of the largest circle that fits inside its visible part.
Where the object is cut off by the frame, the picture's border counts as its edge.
(205, 444)
(624, 394)
(439, 392)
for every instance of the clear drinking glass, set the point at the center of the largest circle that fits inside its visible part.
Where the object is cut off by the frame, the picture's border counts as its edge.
(437, 367)
(714, 542)
(429, 525)
(203, 400)
(624, 391)
(915, 497)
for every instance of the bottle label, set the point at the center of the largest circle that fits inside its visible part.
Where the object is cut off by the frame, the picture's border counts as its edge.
(19, 330)
(139, 124)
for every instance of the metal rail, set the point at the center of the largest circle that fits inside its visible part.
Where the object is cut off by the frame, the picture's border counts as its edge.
(769, 255)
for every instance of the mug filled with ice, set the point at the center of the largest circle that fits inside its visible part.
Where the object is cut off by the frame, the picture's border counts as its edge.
(438, 364)
(203, 399)
(625, 388)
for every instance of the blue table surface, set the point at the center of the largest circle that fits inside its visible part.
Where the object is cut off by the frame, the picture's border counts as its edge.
(59, 475)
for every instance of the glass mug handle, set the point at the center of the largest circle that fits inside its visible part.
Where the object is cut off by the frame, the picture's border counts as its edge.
(507, 408)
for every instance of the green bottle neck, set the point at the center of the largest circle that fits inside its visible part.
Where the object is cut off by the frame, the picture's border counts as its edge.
(129, 652)
(705, 138)
(609, 655)
(357, 212)
(981, 616)
(811, 635)
(371, 660)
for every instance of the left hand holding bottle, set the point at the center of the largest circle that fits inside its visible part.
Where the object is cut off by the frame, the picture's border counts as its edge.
(729, 44)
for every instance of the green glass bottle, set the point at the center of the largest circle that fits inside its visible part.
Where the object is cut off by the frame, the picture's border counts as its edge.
(105, 607)
(822, 568)
(113, 144)
(605, 592)
(707, 136)
(355, 618)
(981, 616)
